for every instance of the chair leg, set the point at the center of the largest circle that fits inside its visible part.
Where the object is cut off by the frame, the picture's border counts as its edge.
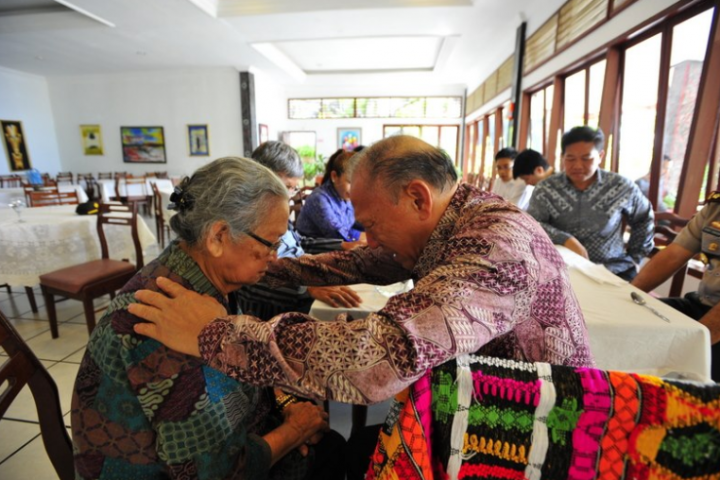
(7, 286)
(31, 299)
(52, 314)
(89, 308)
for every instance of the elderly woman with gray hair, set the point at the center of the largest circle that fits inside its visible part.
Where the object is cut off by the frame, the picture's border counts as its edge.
(142, 410)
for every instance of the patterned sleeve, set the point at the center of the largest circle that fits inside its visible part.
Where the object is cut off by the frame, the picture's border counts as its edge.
(641, 220)
(360, 265)
(540, 208)
(329, 222)
(362, 361)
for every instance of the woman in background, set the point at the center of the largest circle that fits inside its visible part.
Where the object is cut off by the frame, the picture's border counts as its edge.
(327, 212)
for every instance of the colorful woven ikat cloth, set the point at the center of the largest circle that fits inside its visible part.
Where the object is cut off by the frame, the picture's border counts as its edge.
(482, 417)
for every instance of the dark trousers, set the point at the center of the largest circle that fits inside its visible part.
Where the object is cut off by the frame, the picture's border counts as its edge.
(360, 448)
(691, 306)
(628, 274)
(329, 463)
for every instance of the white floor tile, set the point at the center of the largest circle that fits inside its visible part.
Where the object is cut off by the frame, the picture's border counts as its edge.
(28, 328)
(15, 435)
(72, 338)
(75, 357)
(30, 462)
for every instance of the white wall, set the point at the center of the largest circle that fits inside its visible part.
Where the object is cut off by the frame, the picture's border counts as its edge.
(372, 128)
(270, 104)
(25, 97)
(171, 99)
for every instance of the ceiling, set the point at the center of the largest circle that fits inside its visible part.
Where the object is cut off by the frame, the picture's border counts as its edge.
(295, 42)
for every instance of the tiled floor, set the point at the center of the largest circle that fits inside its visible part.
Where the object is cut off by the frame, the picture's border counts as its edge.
(22, 455)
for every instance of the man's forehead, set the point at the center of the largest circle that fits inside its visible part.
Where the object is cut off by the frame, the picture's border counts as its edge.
(582, 148)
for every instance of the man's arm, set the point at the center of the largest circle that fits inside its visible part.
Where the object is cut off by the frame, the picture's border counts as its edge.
(360, 265)
(712, 321)
(662, 266)
(641, 220)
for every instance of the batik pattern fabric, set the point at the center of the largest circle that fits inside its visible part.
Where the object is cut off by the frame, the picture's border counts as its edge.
(141, 410)
(326, 215)
(595, 217)
(488, 418)
(489, 279)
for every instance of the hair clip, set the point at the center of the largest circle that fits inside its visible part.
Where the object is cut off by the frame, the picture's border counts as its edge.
(180, 200)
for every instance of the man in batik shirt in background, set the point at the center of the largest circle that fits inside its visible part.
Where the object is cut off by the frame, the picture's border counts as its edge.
(583, 208)
(487, 279)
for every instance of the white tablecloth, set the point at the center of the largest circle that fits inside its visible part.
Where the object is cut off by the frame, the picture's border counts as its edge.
(623, 336)
(107, 187)
(9, 194)
(56, 237)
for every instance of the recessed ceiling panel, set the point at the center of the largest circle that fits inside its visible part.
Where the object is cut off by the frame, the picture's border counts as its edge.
(229, 8)
(363, 54)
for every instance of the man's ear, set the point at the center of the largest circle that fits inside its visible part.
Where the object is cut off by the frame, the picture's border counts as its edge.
(421, 197)
(215, 239)
(601, 154)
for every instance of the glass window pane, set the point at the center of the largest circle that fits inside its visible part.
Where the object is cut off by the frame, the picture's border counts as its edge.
(430, 134)
(489, 148)
(443, 107)
(412, 130)
(639, 106)
(689, 43)
(448, 141)
(407, 107)
(477, 161)
(303, 142)
(574, 102)
(549, 91)
(304, 108)
(390, 130)
(338, 108)
(537, 118)
(597, 79)
(373, 107)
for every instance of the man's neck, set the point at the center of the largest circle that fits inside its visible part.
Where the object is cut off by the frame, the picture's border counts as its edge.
(585, 184)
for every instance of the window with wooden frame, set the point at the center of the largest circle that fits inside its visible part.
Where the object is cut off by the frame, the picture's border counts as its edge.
(582, 96)
(660, 82)
(445, 137)
(539, 119)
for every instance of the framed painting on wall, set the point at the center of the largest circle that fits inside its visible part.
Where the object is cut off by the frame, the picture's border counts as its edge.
(143, 144)
(348, 138)
(198, 140)
(263, 134)
(15, 146)
(91, 139)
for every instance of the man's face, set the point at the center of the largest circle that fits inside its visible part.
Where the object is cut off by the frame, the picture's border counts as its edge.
(385, 224)
(533, 178)
(581, 160)
(504, 168)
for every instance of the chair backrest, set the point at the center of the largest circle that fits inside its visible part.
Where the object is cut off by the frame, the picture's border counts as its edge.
(121, 174)
(10, 181)
(45, 199)
(64, 177)
(161, 174)
(157, 204)
(119, 215)
(21, 367)
(29, 189)
(105, 176)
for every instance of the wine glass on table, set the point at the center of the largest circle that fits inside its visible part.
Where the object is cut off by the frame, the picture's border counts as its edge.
(18, 205)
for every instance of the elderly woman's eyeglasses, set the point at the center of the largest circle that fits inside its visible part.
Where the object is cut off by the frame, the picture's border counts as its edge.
(274, 247)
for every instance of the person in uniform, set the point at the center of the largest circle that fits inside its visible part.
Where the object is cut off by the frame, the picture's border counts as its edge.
(700, 236)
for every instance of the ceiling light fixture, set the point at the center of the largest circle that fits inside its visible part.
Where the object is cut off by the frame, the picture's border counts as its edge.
(82, 11)
(272, 53)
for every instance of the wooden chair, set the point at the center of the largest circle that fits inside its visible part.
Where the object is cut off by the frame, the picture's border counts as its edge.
(10, 181)
(135, 192)
(105, 176)
(89, 184)
(161, 226)
(91, 280)
(46, 199)
(121, 175)
(64, 177)
(161, 174)
(667, 226)
(29, 189)
(298, 200)
(21, 367)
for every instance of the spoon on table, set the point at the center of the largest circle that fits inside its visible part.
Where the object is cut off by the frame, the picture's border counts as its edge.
(641, 301)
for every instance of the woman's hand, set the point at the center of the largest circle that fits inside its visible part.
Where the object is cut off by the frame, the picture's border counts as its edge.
(177, 319)
(336, 296)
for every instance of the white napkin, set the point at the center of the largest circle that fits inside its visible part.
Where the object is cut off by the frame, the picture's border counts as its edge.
(593, 271)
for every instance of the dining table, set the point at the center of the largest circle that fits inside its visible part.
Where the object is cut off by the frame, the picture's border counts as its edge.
(624, 336)
(107, 188)
(50, 238)
(7, 195)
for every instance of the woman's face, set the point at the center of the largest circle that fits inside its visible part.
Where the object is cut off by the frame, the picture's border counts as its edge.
(244, 261)
(341, 184)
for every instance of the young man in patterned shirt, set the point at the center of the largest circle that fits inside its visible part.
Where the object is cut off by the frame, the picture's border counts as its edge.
(584, 208)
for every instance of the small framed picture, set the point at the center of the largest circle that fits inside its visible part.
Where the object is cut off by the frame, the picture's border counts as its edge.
(143, 144)
(91, 139)
(348, 138)
(15, 145)
(198, 140)
(263, 135)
